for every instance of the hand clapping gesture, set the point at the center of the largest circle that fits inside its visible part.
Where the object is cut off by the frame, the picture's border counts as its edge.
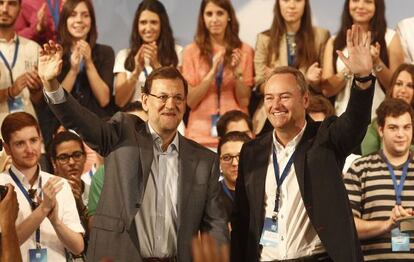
(50, 65)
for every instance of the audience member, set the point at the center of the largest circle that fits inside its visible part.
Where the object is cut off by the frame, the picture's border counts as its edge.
(380, 187)
(406, 32)
(292, 40)
(218, 68)
(9, 243)
(151, 46)
(47, 223)
(234, 120)
(319, 108)
(229, 152)
(385, 50)
(294, 214)
(402, 87)
(39, 20)
(151, 172)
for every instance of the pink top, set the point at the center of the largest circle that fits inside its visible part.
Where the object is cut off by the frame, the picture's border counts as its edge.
(27, 21)
(194, 70)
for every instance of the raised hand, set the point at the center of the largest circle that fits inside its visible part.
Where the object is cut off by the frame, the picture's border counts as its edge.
(50, 63)
(375, 53)
(359, 60)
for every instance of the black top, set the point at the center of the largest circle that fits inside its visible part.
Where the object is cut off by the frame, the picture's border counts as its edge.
(227, 197)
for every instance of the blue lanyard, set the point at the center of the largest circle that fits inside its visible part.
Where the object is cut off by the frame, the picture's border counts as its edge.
(397, 187)
(219, 81)
(29, 199)
(227, 190)
(54, 11)
(10, 68)
(280, 178)
(78, 84)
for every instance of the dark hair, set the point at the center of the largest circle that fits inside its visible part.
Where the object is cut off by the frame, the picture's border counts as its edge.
(166, 72)
(409, 68)
(64, 36)
(377, 25)
(165, 42)
(306, 51)
(232, 137)
(300, 78)
(62, 137)
(393, 107)
(132, 107)
(318, 103)
(231, 36)
(232, 116)
(15, 122)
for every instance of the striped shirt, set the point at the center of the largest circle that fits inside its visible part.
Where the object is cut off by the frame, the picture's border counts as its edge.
(372, 195)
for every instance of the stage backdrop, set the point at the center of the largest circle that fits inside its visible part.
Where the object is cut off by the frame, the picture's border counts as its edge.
(115, 17)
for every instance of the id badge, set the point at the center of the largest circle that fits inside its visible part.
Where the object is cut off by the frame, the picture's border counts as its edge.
(38, 255)
(15, 105)
(270, 235)
(214, 119)
(400, 241)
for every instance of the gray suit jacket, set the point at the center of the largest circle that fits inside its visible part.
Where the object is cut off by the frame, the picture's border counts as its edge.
(127, 145)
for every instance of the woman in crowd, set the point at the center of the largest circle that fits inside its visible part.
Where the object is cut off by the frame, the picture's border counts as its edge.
(291, 40)
(151, 46)
(87, 65)
(385, 50)
(402, 87)
(218, 68)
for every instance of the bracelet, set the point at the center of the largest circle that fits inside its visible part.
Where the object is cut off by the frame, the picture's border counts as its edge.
(365, 78)
(9, 93)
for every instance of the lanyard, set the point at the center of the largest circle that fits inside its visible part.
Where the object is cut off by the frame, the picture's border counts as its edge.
(397, 187)
(54, 11)
(219, 81)
(280, 178)
(78, 84)
(10, 68)
(29, 199)
(227, 190)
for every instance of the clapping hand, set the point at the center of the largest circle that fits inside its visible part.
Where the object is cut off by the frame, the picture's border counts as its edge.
(358, 43)
(50, 65)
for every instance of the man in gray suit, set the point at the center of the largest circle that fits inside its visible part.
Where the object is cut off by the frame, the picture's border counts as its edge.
(160, 188)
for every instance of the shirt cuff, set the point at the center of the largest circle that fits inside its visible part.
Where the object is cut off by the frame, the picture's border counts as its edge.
(56, 97)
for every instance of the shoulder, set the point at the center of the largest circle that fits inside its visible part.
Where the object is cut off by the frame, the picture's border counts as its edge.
(196, 148)
(191, 48)
(366, 163)
(321, 34)
(389, 35)
(178, 48)
(123, 53)
(264, 37)
(406, 24)
(246, 48)
(27, 43)
(104, 48)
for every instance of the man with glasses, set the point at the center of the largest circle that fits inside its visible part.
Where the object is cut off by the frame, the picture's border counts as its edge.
(160, 188)
(229, 151)
(47, 223)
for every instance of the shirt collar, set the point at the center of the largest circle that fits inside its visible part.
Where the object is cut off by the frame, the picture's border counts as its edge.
(13, 40)
(23, 179)
(292, 144)
(158, 141)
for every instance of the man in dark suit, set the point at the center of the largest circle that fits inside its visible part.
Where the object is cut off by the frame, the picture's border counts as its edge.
(160, 188)
(290, 201)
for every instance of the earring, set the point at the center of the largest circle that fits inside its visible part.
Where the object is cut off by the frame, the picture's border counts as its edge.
(228, 19)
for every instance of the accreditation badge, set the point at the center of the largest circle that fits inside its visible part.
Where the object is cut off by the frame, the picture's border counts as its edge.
(400, 241)
(270, 236)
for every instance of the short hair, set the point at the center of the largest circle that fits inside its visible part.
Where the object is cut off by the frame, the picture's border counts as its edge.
(234, 136)
(393, 107)
(318, 103)
(15, 122)
(232, 116)
(132, 107)
(300, 78)
(164, 72)
(62, 137)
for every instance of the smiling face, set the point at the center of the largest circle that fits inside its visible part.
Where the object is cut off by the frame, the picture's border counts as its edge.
(362, 11)
(215, 19)
(79, 22)
(149, 26)
(403, 87)
(284, 103)
(397, 134)
(292, 10)
(164, 118)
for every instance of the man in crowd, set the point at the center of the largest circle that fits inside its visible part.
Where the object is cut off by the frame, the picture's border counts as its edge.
(235, 120)
(291, 203)
(380, 187)
(48, 222)
(160, 189)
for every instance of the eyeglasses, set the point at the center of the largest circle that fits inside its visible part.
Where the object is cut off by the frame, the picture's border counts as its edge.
(177, 99)
(229, 158)
(64, 158)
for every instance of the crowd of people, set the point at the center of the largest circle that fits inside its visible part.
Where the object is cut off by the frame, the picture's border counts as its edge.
(136, 156)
